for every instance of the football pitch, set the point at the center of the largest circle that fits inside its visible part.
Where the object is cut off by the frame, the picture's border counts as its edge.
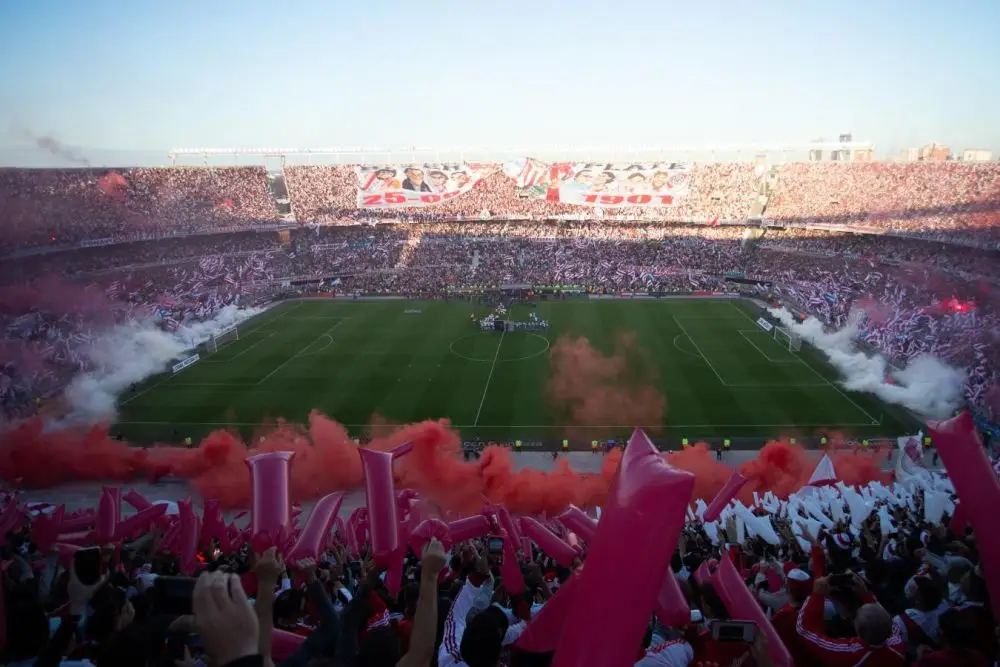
(406, 361)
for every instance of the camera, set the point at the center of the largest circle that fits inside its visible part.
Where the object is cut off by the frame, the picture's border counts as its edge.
(734, 631)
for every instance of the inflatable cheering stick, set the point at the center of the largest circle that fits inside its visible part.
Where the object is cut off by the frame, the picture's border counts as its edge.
(743, 607)
(977, 488)
(640, 524)
(381, 497)
(725, 494)
(310, 542)
(271, 506)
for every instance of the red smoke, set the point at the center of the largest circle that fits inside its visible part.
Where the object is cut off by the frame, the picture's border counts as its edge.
(327, 460)
(591, 389)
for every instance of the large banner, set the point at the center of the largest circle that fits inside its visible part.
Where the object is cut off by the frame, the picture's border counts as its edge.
(601, 184)
(390, 186)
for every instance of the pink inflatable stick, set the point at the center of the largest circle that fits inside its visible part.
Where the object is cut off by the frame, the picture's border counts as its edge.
(427, 529)
(641, 521)
(671, 608)
(317, 528)
(546, 628)
(271, 506)
(743, 607)
(381, 498)
(139, 522)
(46, 528)
(576, 520)
(78, 521)
(510, 569)
(469, 528)
(109, 513)
(977, 488)
(136, 500)
(548, 542)
(508, 524)
(187, 539)
(725, 494)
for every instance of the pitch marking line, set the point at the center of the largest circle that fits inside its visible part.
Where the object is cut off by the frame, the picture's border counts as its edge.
(739, 385)
(489, 378)
(518, 426)
(451, 348)
(743, 332)
(302, 352)
(241, 352)
(821, 377)
(329, 342)
(268, 320)
(698, 349)
(682, 350)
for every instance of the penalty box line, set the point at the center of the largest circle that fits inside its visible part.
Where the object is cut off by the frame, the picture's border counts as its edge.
(744, 332)
(302, 351)
(267, 320)
(820, 375)
(745, 385)
(241, 352)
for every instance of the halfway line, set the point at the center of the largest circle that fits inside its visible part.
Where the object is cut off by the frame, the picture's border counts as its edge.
(489, 378)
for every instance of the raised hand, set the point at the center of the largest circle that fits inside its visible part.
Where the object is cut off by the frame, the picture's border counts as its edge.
(433, 559)
(226, 621)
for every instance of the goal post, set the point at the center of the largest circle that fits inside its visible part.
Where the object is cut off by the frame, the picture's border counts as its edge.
(223, 338)
(786, 338)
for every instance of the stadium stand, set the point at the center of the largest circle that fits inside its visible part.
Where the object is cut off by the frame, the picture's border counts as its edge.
(62, 207)
(85, 249)
(937, 200)
(87, 228)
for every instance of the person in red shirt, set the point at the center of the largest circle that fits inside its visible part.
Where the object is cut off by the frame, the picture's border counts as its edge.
(876, 643)
(958, 641)
(799, 586)
(708, 650)
(975, 612)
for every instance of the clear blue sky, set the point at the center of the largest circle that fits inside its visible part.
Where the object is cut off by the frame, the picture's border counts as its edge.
(145, 75)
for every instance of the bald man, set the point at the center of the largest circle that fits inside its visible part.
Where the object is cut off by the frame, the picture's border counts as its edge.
(877, 643)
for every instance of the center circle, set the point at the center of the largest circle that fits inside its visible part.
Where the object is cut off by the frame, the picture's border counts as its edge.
(482, 346)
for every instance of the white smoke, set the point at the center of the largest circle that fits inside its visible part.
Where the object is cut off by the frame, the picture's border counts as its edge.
(927, 386)
(130, 353)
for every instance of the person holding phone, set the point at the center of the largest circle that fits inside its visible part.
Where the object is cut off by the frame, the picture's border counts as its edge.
(876, 643)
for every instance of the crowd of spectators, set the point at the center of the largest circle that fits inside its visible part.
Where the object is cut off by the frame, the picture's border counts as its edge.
(328, 194)
(65, 207)
(948, 201)
(933, 200)
(900, 585)
(901, 283)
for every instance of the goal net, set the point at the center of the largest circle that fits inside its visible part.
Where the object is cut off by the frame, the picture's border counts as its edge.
(222, 339)
(786, 338)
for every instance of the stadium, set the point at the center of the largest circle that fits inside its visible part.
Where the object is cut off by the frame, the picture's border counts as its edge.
(162, 325)
(368, 302)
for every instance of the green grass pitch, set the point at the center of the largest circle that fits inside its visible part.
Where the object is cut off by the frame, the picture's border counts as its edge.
(722, 376)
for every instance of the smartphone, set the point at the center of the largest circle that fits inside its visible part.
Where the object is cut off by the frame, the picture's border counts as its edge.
(172, 595)
(843, 581)
(734, 631)
(87, 564)
(494, 547)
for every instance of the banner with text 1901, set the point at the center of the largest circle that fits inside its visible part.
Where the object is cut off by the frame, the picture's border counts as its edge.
(391, 186)
(601, 184)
